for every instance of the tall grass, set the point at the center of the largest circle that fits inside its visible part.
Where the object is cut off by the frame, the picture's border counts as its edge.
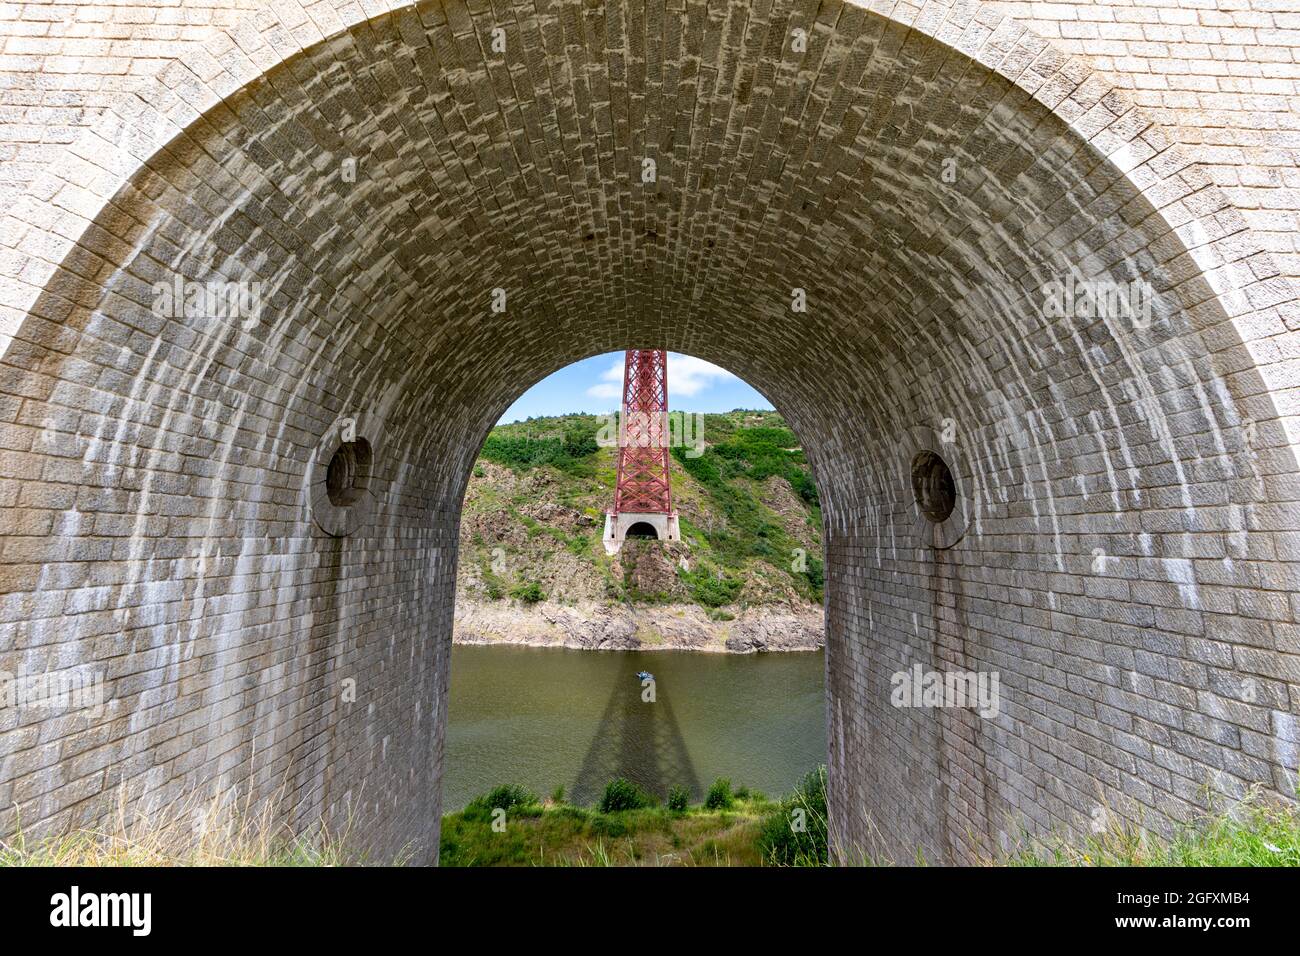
(221, 832)
(1258, 830)
(627, 828)
(796, 832)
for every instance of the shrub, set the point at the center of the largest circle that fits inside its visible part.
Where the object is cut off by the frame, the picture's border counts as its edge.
(557, 795)
(622, 794)
(530, 592)
(720, 796)
(804, 486)
(608, 826)
(519, 453)
(702, 469)
(710, 591)
(816, 573)
(570, 452)
(579, 443)
(677, 799)
(493, 586)
(795, 833)
(508, 797)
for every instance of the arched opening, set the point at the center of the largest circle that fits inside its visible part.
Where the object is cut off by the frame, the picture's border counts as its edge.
(348, 472)
(933, 486)
(898, 235)
(727, 616)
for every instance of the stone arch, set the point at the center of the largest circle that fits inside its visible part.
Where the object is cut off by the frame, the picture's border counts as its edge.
(1125, 557)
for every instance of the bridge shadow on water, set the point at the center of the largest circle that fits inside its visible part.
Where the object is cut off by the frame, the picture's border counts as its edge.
(638, 740)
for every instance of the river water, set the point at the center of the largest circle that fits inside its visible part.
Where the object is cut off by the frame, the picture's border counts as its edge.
(550, 717)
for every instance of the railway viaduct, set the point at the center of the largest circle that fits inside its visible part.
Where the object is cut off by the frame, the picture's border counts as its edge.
(247, 523)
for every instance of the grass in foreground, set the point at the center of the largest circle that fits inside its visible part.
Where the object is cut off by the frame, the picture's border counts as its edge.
(221, 833)
(565, 835)
(511, 827)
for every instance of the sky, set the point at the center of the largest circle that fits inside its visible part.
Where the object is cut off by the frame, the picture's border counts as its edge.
(595, 385)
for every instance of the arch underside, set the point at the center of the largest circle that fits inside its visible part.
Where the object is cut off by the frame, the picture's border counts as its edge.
(1124, 561)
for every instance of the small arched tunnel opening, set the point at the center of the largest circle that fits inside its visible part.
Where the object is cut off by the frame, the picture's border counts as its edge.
(896, 243)
(642, 529)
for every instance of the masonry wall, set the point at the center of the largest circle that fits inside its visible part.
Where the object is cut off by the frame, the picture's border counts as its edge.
(1123, 554)
(1219, 76)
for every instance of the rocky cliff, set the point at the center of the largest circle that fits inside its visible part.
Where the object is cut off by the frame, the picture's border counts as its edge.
(746, 576)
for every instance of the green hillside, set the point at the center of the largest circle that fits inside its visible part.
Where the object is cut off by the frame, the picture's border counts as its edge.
(749, 513)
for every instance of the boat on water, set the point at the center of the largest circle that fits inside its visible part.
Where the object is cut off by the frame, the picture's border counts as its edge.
(644, 676)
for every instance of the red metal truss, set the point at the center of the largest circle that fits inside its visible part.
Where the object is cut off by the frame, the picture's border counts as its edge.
(644, 437)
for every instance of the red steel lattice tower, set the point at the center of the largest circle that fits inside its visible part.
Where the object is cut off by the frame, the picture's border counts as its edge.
(643, 447)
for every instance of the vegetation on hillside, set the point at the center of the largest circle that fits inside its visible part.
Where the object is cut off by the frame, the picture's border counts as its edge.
(569, 445)
(749, 512)
(728, 470)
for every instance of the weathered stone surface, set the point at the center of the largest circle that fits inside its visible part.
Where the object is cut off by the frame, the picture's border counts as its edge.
(1128, 550)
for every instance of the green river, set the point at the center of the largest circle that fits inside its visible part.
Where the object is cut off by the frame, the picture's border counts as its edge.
(546, 718)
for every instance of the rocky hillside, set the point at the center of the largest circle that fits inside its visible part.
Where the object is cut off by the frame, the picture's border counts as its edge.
(746, 576)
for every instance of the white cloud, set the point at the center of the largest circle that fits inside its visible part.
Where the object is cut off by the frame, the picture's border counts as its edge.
(687, 375)
(611, 382)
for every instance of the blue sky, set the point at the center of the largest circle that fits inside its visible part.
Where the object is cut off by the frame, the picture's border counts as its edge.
(596, 385)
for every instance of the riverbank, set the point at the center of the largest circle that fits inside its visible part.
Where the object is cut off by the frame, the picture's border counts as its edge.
(594, 626)
(563, 835)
